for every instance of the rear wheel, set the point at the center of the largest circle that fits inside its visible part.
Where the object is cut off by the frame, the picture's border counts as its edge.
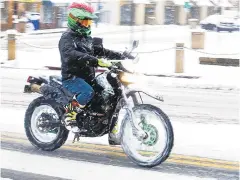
(43, 124)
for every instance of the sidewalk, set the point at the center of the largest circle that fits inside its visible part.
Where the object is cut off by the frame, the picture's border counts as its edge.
(102, 28)
(157, 64)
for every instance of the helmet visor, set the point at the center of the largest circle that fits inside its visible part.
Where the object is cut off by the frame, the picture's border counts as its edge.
(83, 22)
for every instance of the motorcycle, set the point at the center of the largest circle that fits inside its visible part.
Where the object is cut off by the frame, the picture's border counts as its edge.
(142, 130)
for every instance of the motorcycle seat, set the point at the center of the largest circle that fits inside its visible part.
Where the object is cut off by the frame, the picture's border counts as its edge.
(57, 79)
(44, 79)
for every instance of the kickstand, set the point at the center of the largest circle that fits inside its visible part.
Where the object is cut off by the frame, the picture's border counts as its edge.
(76, 136)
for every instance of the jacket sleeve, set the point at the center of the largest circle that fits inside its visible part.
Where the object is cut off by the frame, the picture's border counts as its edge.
(99, 50)
(68, 51)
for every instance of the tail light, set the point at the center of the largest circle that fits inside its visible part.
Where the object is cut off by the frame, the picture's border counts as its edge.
(29, 79)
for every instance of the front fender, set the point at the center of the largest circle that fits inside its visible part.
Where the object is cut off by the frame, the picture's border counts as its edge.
(153, 94)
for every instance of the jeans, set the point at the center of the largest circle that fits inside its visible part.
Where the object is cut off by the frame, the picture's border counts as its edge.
(83, 91)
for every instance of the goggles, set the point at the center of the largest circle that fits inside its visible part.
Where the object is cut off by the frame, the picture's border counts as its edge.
(83, 22)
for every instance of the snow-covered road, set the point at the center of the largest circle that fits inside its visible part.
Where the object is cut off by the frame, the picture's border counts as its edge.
(38, 166)
(20, 159)
(203, 140)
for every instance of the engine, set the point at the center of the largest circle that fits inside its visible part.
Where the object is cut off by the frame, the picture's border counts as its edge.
(94, 121)
(92, 126)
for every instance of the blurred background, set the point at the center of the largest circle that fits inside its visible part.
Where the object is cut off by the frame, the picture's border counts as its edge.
(50, 14)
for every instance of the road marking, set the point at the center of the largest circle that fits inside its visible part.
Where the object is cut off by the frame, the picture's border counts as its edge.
(105, 147)
(119, 149)
(178, 159)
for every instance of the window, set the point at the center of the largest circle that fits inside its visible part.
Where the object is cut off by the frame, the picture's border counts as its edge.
(63, 12)
(4, 12)
(195, 12)
(47, 14)
(211, 11)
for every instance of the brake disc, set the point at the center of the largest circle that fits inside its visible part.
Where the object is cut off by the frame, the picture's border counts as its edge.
(152, 135)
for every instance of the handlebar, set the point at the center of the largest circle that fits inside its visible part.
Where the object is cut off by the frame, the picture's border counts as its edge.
(120, 60)
(120, 67)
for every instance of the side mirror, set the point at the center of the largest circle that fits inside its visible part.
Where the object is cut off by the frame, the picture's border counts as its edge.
(135, 44)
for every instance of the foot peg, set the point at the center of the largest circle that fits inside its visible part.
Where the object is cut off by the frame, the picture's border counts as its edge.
(76, 136)
(77, 133)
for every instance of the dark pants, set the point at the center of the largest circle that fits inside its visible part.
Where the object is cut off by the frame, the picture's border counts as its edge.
(83, 91)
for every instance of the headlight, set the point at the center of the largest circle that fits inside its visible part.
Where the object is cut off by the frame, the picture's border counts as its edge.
(128, 78)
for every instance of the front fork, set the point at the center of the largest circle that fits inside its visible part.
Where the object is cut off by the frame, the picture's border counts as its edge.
(137, 130)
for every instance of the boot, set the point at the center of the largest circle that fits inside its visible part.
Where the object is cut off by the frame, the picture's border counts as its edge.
(72, 109)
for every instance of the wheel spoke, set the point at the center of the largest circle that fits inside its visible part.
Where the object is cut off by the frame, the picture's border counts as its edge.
(44, 134)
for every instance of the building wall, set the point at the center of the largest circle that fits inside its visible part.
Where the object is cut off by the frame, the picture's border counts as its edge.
(160, 11)
(182, 16)
(139, 14)
(115, 12)
(164, 9)
(203, 12)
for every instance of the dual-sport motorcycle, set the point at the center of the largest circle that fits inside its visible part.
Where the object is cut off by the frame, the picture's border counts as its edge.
(145, 132)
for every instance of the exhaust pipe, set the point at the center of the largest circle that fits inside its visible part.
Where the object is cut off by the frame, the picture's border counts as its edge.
(35, 88)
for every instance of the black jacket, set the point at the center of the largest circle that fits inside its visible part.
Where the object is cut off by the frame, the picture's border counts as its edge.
(79, 55)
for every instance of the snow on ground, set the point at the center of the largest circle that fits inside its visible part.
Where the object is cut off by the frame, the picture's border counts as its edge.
(23, 162)
(155, 63)
(203, 140)
(162, 62)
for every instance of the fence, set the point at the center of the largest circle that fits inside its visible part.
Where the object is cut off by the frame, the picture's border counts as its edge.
(179, 48)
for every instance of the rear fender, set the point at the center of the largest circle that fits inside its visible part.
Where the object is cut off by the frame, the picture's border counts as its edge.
(34, 84)
(40, 80)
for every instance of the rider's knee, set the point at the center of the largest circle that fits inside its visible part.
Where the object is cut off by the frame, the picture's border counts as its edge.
(86, 96)
(91, 93)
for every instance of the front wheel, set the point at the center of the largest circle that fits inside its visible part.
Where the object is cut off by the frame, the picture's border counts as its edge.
(43, 124)
(157, 145)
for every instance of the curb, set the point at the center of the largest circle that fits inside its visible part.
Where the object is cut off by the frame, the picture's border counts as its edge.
(158, 75)
(174, 76)
(8, 67)
(100, 33)
(209, 87)
(202, 87)
(40, 33)
(219, 61)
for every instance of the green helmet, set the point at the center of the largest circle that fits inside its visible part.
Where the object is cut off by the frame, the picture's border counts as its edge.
(80, 16)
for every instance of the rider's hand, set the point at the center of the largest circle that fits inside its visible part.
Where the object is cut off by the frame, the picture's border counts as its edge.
(104, 63)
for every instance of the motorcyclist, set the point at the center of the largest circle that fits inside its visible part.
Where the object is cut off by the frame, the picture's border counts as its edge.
(80, 56)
